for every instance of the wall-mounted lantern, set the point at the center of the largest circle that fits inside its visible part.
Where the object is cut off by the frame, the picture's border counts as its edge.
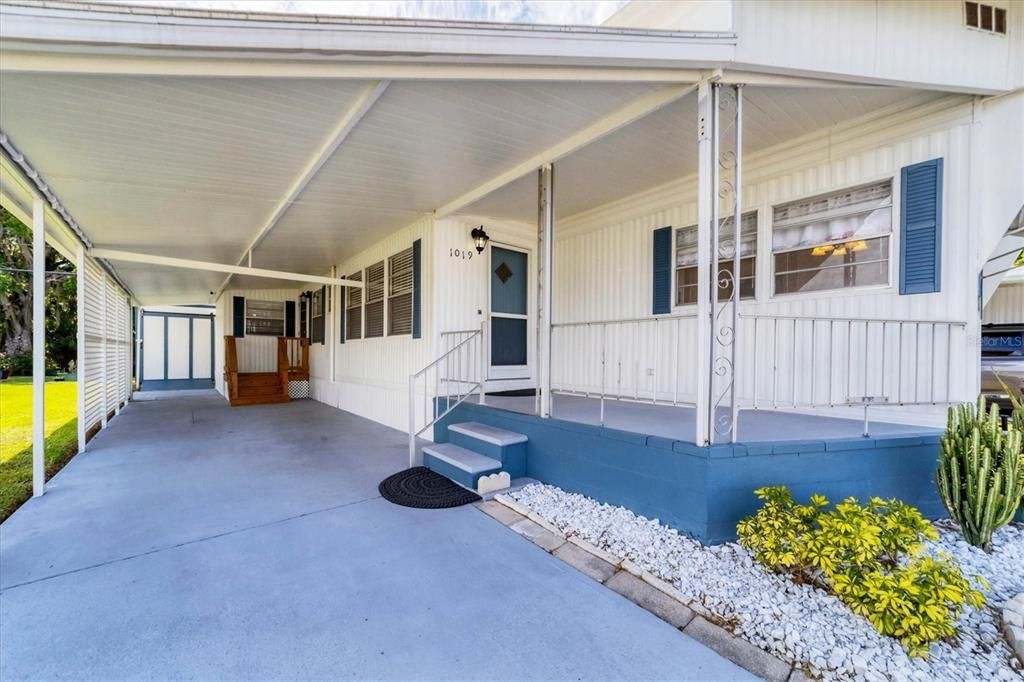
(480, 238)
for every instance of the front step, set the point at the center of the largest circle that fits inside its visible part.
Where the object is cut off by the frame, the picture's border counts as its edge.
(508, 447)
(463, 466)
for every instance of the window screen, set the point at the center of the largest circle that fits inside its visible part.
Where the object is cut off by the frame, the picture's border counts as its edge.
(354, 309)
(264, 318)
(400, 293)
(374, 300)
(686, 259)
(833, 241)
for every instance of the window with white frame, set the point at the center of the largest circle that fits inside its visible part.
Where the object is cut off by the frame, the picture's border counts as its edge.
(985, 17)
(400, 293)
(686, 259)
(374, 294)
(264, 318)
(317, 315)
(354, 309)
(833, 241)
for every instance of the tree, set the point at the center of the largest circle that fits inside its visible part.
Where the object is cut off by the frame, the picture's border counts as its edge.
(16, 296)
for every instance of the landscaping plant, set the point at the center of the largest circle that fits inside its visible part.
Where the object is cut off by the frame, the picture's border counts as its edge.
(980, 476)
(869, 556)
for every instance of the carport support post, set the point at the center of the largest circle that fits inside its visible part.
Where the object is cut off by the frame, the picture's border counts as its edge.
(103, 346)
(80, 350)
(545, 235)
(707, 197)
(38, 347)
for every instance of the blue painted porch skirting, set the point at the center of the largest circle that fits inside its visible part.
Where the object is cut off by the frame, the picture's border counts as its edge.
(706, 491)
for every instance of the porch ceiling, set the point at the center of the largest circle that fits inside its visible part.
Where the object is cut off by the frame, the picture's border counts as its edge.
(194, 167)
(663, 146)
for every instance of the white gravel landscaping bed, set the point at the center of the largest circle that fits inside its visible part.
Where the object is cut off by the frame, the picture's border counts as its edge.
(799, 623)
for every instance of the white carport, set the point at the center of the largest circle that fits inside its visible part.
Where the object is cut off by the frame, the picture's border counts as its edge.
(186, 150)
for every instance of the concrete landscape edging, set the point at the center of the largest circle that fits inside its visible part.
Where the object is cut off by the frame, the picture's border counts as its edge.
(642, 588)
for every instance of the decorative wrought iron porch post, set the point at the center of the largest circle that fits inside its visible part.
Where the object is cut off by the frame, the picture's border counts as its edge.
(718, 288)
(723, 409)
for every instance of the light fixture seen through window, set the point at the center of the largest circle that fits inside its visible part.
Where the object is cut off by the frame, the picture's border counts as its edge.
(480, 238)
(839, 249)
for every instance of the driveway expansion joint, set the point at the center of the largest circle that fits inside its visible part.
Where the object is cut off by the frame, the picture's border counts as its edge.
(186, 543)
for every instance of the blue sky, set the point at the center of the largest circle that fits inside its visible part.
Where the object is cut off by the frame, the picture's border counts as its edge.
(579, 12)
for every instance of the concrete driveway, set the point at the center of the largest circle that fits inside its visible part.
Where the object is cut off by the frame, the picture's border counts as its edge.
(194, 540)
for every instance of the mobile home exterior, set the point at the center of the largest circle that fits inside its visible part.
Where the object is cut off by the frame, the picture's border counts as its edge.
(447, 213)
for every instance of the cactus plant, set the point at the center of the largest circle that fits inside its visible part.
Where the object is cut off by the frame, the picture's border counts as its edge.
(979, 475)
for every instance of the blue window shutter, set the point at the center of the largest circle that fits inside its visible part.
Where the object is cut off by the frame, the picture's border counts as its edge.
(921, 228)
(417, 289)
(289, 318)
(662, 288)
(238, 315)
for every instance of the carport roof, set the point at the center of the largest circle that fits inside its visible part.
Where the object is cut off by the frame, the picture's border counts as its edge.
(303, 139)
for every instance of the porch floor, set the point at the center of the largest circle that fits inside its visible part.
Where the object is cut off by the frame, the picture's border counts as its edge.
(193, 540)
(678, 423)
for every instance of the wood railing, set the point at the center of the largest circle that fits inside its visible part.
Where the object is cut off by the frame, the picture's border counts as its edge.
(292, 359)
(230, 367)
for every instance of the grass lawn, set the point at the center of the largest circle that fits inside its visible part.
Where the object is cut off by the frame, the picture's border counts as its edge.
(16, 436)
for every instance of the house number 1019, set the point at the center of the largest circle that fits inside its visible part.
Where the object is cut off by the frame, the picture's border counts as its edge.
(464, 254)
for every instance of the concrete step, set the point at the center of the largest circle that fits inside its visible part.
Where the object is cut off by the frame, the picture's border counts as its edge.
(508, 447)
(463, 466)
(488, 434)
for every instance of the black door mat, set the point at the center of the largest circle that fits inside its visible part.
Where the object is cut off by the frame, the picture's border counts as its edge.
(516, 393)
(422, 488)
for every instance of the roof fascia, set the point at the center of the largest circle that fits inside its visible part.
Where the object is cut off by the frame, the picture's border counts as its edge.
(27, 24)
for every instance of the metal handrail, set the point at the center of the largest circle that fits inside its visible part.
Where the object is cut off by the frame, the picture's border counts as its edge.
(458, 365)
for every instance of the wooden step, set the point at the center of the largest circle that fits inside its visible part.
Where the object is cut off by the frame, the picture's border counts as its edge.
(259, 399)
(246, 391)
(259, 379)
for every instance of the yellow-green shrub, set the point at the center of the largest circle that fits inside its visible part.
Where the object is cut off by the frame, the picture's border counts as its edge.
(869, 556)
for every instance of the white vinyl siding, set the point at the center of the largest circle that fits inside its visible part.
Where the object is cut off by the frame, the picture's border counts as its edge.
(400, 293)
(833, 241)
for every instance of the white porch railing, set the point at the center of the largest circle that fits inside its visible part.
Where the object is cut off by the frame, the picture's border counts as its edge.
(639, 359)
(783, 362)
(446, 382)
(813, 362)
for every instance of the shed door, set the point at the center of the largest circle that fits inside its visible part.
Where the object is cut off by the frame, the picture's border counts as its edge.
(177, 351)
(153, 347)
(509, 328)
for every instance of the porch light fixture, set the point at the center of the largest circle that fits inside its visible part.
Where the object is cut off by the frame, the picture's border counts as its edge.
(480, 238)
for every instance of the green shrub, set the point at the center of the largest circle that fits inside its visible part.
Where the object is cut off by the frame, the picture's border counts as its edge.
(981, 471)
(869, 556)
